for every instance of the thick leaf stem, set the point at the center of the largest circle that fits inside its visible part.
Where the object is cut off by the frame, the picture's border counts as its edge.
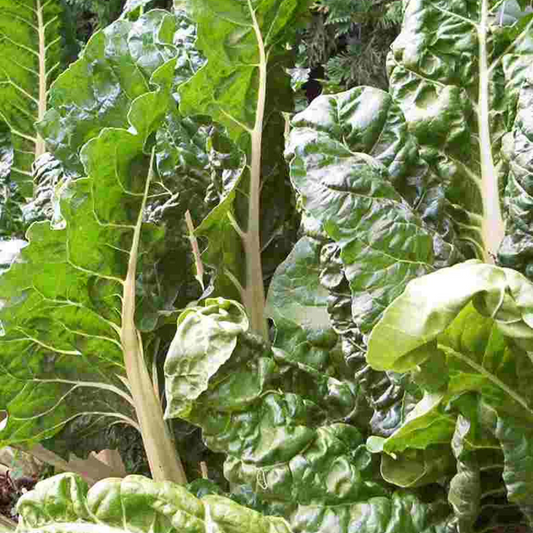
(493, 228)
(255, 293)
(165, 464)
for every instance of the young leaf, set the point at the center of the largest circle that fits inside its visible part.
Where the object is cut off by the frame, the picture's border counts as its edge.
(479, 318)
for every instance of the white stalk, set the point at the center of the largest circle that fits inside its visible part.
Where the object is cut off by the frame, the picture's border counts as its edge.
(493, 227)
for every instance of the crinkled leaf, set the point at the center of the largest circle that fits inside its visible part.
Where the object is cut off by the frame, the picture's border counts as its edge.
(384, 396)
(517, 246)
(30, 58)
(277, 419)
(64, 503)
(97, 91)
(48, 179)
(401, 512)
(226, 88)
(350, 154)
(297, 304)
(456, 73)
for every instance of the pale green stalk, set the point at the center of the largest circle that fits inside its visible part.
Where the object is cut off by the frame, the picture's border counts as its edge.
(164, 461)
(39, 144)
(254, 291)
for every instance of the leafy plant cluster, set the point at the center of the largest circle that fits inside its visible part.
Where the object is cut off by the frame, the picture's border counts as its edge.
(368, 372)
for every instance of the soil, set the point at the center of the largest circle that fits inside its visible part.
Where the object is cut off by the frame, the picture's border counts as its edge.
(10, 492)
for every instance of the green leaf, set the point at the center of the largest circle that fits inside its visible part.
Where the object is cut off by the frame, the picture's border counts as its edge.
(347, 163)
(205, 339)
(416, 468)
(402, 512)
(62, 354)
(479, 318)
(244, 43)
(306, 346)
(226, 88)
(289, 448)
(517, 244)
(97, 90)
(456, 74)
(297, 304)
(30, 60)
(64, 503)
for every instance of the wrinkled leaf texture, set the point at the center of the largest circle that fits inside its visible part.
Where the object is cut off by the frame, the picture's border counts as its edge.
(64, 503)
(226, 89)
(279, 418)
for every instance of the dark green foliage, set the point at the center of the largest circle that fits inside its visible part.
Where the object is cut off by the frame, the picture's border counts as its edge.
(350, 40)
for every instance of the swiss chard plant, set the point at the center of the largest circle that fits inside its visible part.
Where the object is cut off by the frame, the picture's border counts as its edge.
(382, 384)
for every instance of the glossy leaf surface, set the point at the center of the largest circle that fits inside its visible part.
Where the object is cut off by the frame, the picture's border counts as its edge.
(350, 156)
(114, 69)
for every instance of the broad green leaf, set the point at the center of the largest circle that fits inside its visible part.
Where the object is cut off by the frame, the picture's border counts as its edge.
(401, 512)
(64, 503)
(244, 44)
(351, 158)
(480, 318)
(233, 35)
(297, 304)
(30, 59)
(62, 354)
(386, 398)
(306, 346)
(277, 420)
